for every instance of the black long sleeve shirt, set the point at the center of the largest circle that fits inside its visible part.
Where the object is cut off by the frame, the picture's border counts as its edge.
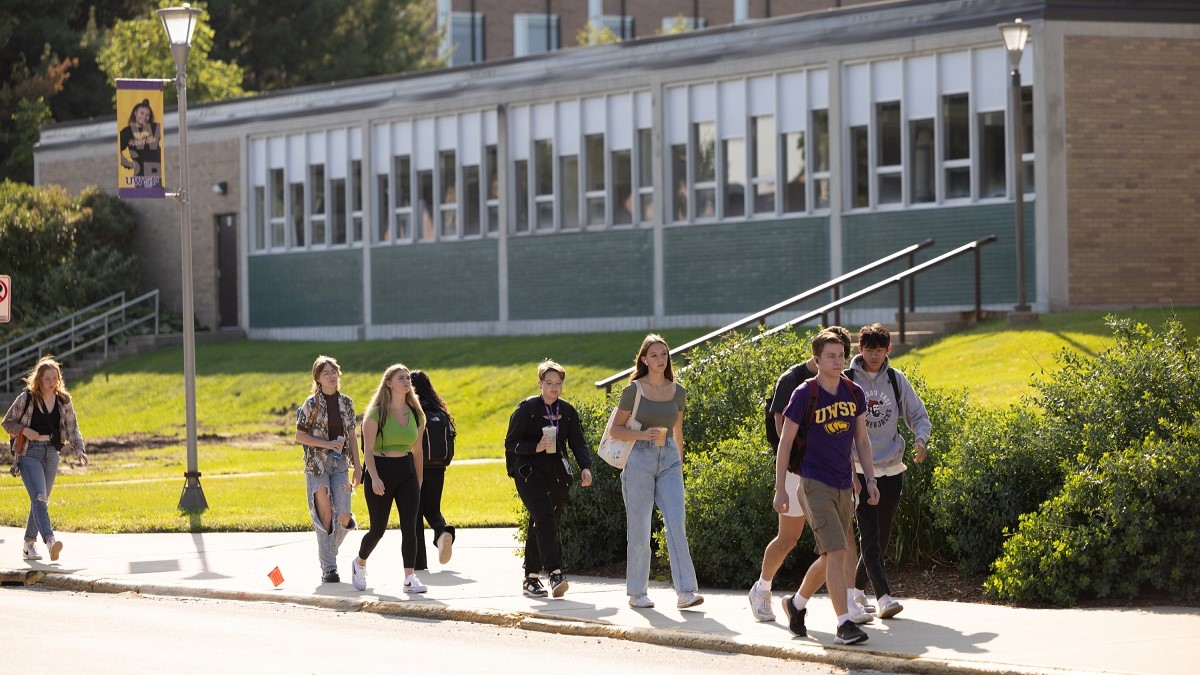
(525, 432)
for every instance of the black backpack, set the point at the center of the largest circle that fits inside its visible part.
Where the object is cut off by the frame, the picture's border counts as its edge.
(891, 374)
(799, 373)
(439, 438)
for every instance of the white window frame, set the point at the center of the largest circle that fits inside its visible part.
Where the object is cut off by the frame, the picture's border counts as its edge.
(525, 25)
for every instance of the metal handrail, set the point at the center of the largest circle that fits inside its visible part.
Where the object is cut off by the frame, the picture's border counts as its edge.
(79, 336)
(760, 316)
(70, 317)
(896, 279)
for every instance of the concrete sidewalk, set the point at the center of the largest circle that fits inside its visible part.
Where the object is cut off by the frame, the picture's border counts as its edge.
(482, 583)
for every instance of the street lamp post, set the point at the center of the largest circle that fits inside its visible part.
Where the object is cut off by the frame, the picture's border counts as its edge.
(1015, 35)
(180, 23)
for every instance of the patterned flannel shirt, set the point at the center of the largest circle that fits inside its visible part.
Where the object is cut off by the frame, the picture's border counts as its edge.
(313, 418)
(68, 425)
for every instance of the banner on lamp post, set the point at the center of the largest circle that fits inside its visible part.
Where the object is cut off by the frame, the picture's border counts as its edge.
(139, 139)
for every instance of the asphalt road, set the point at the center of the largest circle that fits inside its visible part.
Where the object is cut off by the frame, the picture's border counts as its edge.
(70, 632)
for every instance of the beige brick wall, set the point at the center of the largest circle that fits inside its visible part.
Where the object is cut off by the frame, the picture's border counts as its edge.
(1133, 170)
(157, 239)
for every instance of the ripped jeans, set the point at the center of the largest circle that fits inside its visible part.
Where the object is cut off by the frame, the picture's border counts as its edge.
(336, 481)
(39, 466)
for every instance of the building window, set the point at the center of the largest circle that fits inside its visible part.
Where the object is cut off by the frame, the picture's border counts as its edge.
(992, 155)
(278, 214)
(622, 27)
(622, 172)
(466, 38)
(543, 184)
(297, 206)
(594, 184)
(521, 203)
(704, 169)
(426, 229)
(316, 210)
(680, 21)
(1027, 137)
(679, 181)
(337, 190)
(448, 204)
(402, 172)
(568, 176)
(645, 178)
(493, 189)
(383, 231)
(820, 158)
(860, 155)
(472, 198)
(888, 157)
(762, 163)
(794, 198)
(534, 34)
(922, 162)
(733, 154)
(260, 218)
(356, 200)
(956, 143)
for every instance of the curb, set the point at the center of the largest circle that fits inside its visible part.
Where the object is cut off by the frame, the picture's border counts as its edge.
(850, 658)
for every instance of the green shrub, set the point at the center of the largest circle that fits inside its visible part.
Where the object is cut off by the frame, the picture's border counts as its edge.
(1120, 526)
(986, 479)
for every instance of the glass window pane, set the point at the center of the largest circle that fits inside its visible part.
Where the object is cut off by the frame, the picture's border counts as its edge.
(622, 170)
(594, 147)
(645, 159)
(820, 135)
(260, 218)
(569, 172)
(471, 201)
(794, 171)
(298, 216)
(860, 182)
(647, 200)
(706, 203)
(763, 147)
(521, 196)
(821, 193)
(337, 187)
(704, 140)
(403, 226)
(276, 193)
(402, 168)
(316, 182)
(957, 126)
(992, 157)
(887, 121)
(425, 206)
(922, 164)
(543, 157)
(448, 178)
(383, 230)
(679, 179)
(545, 215)
(891, 190)
(958, 182)
(734, 150)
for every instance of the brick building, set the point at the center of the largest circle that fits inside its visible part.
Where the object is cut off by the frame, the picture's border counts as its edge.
(687, 180)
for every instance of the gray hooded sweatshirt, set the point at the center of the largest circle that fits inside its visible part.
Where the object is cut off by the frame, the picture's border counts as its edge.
(887, 445)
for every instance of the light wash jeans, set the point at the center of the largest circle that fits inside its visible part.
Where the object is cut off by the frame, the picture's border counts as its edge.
(39, 466)
(336, 480)
(654, 475)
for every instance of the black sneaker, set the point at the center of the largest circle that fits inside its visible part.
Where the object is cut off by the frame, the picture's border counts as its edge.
(795, 617)
(850, 634)
(331, 577)
(533, 588)
(558, 584)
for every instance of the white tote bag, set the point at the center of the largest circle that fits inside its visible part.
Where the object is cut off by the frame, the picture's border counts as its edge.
(616, 452)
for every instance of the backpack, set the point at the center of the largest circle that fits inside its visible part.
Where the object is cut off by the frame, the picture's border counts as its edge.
(439, 438)
(891, 375)
(799, 444)
(794, 373)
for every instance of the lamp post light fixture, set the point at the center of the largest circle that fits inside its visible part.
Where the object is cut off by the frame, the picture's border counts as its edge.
(180, 24)
(1015, 35)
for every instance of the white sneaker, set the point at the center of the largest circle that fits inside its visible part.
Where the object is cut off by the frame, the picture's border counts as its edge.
(760, 604)
(358, 575)
(858, 614)
(689, 599)
(642, 601)
(445, 547)
(30, 552)
(413, 585)
(889, 609)
(55, 547)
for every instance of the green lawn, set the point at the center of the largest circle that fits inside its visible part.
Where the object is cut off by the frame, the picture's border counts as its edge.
(247, 393)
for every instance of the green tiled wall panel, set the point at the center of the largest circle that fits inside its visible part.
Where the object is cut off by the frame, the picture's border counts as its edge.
(743, 267)
(867, 237)
(432, 283)
(306, 289)
(584, 274)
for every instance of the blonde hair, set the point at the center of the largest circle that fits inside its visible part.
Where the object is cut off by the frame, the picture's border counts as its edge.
(382, 399)
(33, 381)
(318, 366)
(548, 366)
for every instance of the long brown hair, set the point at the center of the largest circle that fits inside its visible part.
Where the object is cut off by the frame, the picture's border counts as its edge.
(33, 381)
(640, 369)
(382, 399)
(425, 391)
(318, 366)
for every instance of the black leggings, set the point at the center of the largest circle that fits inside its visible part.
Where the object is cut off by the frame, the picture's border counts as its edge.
(431, 511)
(399, 478)
(875, 530)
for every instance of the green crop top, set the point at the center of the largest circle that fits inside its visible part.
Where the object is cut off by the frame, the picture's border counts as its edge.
(396, 437)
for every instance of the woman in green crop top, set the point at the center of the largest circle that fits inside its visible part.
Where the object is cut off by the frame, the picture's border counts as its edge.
(393, 425)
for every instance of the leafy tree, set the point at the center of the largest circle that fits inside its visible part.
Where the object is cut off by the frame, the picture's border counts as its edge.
(596, 34)
(679, 24)
(138, 48)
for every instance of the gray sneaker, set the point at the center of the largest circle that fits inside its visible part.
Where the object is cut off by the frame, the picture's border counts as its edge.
(760, 604)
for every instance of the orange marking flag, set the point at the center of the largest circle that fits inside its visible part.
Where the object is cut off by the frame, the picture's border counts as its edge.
(276, 577)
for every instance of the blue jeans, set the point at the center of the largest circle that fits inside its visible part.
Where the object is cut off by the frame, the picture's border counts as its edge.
(336, 480)
(654, 475)
(39, 466)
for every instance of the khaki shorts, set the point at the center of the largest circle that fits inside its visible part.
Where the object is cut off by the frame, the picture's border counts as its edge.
(830, 513)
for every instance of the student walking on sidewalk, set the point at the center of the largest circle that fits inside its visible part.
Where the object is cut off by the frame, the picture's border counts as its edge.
(393, 427)
(539, 432)
(325, 428)
(437, 452)
(42, 418)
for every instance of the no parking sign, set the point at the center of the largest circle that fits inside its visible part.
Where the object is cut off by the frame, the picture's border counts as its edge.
(5, 299)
